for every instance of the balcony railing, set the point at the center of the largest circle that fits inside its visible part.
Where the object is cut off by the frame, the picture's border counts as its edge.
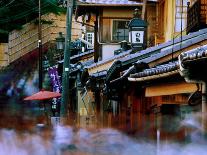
(197, 16)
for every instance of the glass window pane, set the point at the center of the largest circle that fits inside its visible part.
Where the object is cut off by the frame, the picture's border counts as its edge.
(120, 30)
(178, 25)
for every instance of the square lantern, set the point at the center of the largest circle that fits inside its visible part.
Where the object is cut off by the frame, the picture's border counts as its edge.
(137, 34)
(60, 41)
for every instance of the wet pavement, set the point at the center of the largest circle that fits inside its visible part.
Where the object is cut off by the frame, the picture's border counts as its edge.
(26, 128)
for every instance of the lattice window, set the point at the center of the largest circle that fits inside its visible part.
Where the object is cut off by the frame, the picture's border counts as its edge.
(181, 15)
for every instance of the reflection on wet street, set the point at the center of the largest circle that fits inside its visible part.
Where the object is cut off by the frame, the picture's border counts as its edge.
(26, 128)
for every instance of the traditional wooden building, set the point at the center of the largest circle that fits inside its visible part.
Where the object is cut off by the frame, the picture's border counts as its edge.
(189, 63)
(24, 41)
(108, 20)
(3, 55)
(196, 15)
(147, 69)
(149, 82)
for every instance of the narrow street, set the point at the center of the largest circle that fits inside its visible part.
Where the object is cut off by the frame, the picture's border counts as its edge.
(114, 130)
(106, 133)
(103, 77)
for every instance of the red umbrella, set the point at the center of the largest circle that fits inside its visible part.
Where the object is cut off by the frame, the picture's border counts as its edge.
(43, 95)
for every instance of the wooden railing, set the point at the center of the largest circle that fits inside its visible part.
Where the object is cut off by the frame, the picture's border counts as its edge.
(24, 41)
(197, 16)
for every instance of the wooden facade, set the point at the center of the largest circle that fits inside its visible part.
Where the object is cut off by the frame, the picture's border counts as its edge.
(25, 40)
(171, 14)
(112, 24)
(109, 40)
(161, 20)
(197, 15)
(3, 54)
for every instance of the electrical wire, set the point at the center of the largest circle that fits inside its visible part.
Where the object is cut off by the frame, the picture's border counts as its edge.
(8, 4)
(23, 14)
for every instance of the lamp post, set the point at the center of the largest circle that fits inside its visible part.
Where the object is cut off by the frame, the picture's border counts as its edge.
(40, 47)
(60, 43)
(137, 32)
(60, 40)
(66, 62)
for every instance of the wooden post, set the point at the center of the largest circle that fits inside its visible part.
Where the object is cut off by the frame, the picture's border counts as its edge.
(204, 105)
(96, 46)
(144, 9)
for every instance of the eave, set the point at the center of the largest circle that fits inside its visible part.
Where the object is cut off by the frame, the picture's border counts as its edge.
(154, 54)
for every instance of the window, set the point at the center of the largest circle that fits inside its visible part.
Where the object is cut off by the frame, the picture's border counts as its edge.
(90, 39)
(120, 30)
(181, 15)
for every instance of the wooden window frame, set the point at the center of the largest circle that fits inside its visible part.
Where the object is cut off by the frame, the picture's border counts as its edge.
(112, 24)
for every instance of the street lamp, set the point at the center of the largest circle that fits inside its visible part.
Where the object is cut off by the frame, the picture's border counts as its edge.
(60, 41)
(137, 32)
(60, 44)
(40, 46)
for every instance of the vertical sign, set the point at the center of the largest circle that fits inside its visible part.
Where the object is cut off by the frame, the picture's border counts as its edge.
(55, 81)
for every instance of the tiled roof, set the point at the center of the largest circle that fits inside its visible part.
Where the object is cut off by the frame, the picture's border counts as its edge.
(192, 64)
(153, 53)
(121, 55)
(109, 2)
(99, 74)
(195, 54)
(168, 47)
(79, 55)
(82, 54)
(156, 72)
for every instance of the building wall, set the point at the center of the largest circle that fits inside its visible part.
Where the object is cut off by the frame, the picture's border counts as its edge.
(3, 54)
(169, 19)
(26, 40)
(108, 50)
(152, 20)
(105, 28)
(170, 89)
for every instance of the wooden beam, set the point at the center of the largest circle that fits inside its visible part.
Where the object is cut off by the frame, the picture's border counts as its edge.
(170, 89)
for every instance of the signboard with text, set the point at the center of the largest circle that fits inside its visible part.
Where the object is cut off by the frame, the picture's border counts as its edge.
(138, 37)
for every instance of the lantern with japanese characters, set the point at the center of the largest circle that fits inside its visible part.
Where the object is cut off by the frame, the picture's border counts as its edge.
(138, 34)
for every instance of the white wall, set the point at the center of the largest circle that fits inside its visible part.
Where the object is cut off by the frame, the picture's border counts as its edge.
(108, 50)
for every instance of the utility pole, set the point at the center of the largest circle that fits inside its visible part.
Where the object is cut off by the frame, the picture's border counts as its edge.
(40, 47)
(66, 62)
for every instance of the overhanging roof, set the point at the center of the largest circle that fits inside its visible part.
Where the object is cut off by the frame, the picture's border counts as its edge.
(192, 64)
(156, 72)
(116, 57)
(108, 3)
(194, 55)
(157, 52)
